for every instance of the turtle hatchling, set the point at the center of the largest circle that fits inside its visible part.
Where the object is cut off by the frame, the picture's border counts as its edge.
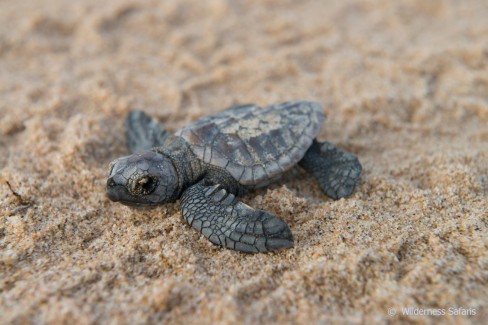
(209, 163)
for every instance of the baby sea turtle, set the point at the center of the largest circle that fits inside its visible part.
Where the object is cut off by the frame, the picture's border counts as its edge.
(210, 162)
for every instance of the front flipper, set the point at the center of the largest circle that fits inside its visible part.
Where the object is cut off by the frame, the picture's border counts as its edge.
(337, 171)
(225, 221)
(143, 132)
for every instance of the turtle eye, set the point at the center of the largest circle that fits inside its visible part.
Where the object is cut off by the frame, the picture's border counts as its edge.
(145, 185)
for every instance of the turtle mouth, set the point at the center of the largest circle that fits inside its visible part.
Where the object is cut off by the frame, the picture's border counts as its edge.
(115, 195)
(136, 204)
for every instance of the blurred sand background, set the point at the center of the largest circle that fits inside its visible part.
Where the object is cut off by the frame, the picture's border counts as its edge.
(405, 87)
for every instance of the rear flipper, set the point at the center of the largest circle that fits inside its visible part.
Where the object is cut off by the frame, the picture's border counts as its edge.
(337, 171)
(225, 221)
(143, 132)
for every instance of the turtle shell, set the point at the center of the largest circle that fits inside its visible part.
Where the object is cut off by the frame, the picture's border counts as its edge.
(256, 145)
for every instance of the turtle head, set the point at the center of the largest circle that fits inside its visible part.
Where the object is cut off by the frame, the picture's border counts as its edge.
(142, 179)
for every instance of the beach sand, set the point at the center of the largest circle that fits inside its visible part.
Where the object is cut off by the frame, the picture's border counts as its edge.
(404, 85)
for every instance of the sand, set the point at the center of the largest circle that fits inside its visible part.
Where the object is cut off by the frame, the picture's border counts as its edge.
(405, 87)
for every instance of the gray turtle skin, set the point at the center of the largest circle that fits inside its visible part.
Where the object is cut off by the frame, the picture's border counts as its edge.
(208, 163)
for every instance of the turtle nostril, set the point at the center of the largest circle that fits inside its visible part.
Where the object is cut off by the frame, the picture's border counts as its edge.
(111, 183)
